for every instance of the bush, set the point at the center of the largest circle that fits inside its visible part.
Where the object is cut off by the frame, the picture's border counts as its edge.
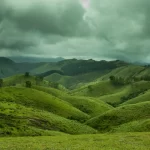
(28, 84)
(133, 95)
(54, 85)
(27, 74)
(1, 82)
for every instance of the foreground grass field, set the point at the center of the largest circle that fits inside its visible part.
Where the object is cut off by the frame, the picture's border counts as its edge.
(127, 141)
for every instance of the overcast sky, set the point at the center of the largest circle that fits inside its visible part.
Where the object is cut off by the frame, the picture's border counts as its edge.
(101, 29)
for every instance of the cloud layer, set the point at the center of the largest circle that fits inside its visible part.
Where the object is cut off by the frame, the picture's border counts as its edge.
(106, 29)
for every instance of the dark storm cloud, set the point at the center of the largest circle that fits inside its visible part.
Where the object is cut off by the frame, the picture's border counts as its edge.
(118, 29)
(61, 17)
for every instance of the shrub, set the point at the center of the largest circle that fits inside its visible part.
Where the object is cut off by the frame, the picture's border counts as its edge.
(1, 82)
(28, 84)
(27, 74)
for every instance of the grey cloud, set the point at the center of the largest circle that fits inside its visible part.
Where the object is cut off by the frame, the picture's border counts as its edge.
(118, 29)
(62, 18)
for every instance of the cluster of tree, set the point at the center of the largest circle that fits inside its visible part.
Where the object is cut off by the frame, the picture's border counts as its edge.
(142, 78)
(1, 82)
(28, 84)
(119, 80)
(54, 84)
(27, 74)
(145, 78)
(132, 95)
(123, 81)
(90, 88)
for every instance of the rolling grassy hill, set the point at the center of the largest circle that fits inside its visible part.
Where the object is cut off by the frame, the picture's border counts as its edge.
(19, 120)
(134, 126)
(97, 89)
(127, 71)
(28, 112)
(73, 82)
(120, 115)
(90, 106)
(41, 100)
(125, 91)
(141, 98)
(110, 93)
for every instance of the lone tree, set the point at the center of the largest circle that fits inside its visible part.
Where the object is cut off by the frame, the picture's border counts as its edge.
(28, 84)
(1, 82)
(90, 88)
(27, 74)
(112, 78)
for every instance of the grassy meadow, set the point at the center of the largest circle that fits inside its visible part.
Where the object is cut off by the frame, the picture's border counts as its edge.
(86, 111)
(119, 141)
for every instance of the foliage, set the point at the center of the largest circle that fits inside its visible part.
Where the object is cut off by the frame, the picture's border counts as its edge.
(1, 82)
(133, 95)
(28, 84)
(27, 74)
(90, 88)
(54, 85)
(119, 80)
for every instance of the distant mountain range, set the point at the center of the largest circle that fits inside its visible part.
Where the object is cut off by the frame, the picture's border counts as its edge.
(35, 59)
(47, 66)
(72, 73)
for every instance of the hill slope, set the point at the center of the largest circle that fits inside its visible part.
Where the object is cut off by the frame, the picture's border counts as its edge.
(90, 106)
(41, 100)
(19, 120)
(118, 116)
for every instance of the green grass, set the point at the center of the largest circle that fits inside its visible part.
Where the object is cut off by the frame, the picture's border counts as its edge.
(97, 89)
(73, 82)
(19, 120)
(41, 100)
(88, 105)
(19, 80)
(120, 115)
(125, 72)
(134, 126)
(125, 141)
(141, 98)
(115, 98)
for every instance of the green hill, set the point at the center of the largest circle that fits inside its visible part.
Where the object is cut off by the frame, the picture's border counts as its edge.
(111, 93)
(121, 115)
(127, 71)
(141, 98)
(19, 120)
(90, 106)
(19, 79)
(127, 91)
(97, 89)
(72, 82)
(134, 126)
(41, 100)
